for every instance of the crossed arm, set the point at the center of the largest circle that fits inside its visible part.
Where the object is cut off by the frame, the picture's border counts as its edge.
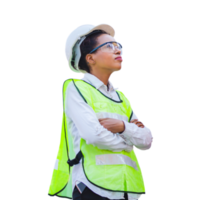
(117, 126)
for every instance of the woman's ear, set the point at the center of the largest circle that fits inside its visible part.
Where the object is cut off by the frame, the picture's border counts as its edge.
(90, 59)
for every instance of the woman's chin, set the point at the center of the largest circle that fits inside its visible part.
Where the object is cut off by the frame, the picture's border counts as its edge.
(121, 67)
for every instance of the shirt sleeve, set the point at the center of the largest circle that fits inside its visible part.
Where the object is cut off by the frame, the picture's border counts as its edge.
(88, 125)
(137, 136)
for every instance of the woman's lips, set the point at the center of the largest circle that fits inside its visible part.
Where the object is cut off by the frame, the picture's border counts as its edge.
(118, 58)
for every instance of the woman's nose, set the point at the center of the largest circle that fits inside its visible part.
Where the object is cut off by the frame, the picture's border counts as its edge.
(118, 51)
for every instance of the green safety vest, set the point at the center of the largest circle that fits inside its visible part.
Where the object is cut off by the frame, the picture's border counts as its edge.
(112, 171)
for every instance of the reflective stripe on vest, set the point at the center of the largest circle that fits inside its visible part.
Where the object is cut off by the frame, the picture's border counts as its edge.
(115, 159)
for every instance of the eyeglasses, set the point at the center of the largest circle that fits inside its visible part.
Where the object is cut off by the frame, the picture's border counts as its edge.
(109, 47)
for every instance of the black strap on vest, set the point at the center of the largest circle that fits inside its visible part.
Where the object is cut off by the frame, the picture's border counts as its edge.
(76, 160)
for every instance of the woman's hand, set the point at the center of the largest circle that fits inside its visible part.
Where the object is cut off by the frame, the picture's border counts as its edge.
(113, 125)
(138, 123)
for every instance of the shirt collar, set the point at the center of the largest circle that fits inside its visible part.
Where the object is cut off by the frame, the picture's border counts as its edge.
(97, 82)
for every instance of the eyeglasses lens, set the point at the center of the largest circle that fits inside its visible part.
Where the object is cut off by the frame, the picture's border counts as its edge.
(117, 46)
(111, 47)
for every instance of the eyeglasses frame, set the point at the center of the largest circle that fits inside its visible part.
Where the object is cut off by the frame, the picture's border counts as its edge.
(103, 45)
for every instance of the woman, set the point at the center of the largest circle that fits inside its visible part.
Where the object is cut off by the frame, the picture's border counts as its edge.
(96, 158)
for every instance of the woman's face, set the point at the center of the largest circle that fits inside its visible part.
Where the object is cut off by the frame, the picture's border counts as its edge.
(103, 60)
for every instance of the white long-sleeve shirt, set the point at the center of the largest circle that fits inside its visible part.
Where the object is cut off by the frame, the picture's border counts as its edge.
(83, 123)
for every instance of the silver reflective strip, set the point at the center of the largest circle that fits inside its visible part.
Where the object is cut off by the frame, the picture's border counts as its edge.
(56, 164)
(115, 159)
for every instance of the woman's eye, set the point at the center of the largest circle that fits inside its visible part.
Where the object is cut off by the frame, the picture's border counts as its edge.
(109, 46)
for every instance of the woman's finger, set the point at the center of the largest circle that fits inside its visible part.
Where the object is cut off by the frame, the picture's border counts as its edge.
(141, 126)
(138, 123)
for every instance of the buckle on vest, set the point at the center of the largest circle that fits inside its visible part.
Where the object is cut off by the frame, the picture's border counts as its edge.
(76, 160)
(73, 162)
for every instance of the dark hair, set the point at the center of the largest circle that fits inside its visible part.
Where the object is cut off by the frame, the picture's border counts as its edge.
(88, 45)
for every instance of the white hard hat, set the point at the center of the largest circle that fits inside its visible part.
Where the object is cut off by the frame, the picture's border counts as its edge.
(75, 39)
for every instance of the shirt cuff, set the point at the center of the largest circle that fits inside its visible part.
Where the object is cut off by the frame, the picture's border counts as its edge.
(130, 128)
(124, 134)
